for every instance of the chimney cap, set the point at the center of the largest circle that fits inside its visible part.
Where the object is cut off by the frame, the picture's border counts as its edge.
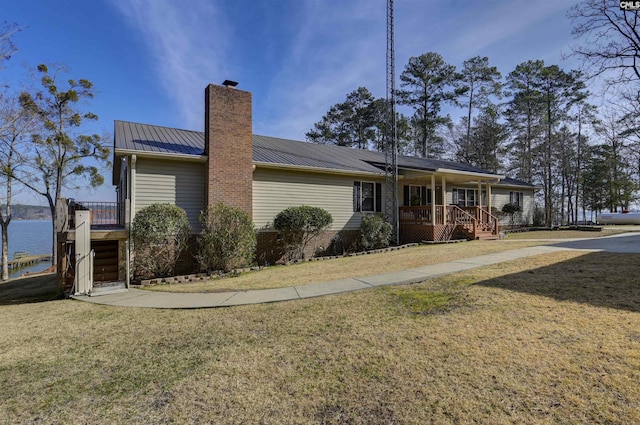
(229, 83)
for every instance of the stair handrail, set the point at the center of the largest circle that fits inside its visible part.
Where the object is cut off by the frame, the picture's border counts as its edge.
(491, 222)
(458, 213)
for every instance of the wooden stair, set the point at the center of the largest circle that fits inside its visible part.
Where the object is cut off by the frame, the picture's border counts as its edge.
(486, 235)
(482, 226)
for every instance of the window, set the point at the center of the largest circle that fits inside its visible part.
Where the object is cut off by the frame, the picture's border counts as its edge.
(516, 198)
(416, 195)
(468, 197)
(367, 197)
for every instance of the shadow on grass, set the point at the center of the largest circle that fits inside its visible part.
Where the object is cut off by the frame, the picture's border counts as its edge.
(32, 289)
(602, 279)
(624, 243)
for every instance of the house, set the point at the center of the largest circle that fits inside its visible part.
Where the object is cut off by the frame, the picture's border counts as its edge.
(264, 175)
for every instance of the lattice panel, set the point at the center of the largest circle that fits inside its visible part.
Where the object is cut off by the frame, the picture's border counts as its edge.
(415, 233)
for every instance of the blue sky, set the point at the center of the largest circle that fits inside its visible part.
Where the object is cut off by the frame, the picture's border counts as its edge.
(150, 60)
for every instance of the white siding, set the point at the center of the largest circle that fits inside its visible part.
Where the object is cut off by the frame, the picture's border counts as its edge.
(275, 190)
(179, 183)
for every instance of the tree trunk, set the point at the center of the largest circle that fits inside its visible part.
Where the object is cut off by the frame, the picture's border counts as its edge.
(5, 249)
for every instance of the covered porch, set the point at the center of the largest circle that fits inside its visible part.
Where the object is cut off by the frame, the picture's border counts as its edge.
(445, 206)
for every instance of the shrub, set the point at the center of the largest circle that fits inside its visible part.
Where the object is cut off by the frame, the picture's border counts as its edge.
(160, 233)
(513, 211)
(538, 216)
(298, 226)
(375, 231)
(227, 240)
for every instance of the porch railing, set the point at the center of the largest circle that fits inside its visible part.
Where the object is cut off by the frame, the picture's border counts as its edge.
(103, 214)
(422, 214)
(471, 219)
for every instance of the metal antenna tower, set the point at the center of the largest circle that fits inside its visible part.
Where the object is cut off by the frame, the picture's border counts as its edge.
(390, 136)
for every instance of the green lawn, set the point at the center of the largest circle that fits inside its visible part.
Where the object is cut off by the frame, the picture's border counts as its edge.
(548, 339)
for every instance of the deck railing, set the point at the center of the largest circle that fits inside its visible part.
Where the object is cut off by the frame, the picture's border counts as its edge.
(103, 214)
(472, 219)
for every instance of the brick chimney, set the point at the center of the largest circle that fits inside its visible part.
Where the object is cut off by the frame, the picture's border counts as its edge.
(228, 146)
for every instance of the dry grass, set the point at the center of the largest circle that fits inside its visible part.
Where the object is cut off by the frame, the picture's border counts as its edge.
(549, 339)
(345, 268)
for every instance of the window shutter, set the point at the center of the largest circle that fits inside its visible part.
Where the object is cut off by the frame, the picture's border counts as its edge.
(378, 197)
(356, 197)
(406, 196)
(424, 195)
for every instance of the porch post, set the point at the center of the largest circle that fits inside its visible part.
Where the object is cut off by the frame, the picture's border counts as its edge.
(488, 197)
(433, 199)
(444, 199)
(480, 193)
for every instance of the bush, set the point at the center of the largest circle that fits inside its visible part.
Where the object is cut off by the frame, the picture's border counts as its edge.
(538, 216)
(228, 239)
(160, 233)
(375, 231)
(298, 226)
(513, 211)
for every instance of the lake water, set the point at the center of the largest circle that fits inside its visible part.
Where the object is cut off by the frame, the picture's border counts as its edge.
(32, 236)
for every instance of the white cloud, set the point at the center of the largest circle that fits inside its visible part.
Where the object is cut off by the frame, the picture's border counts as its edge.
(188, 40)
(329, 49)
(492, 25)
(334, 51)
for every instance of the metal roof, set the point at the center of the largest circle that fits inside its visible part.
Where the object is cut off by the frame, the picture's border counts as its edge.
(272, 150)
(515, 182)
(154, 138)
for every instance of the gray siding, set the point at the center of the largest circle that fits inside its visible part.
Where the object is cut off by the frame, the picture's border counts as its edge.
(500, 197)
(179, 183)
(275, 190)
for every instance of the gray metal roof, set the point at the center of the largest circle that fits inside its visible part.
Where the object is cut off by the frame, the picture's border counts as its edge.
(290, 152)
(156, 139)
(515, 182)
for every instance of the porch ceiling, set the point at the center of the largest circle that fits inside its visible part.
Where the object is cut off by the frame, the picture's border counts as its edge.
(450, 177)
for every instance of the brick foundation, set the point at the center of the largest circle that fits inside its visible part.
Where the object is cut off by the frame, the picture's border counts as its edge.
(270, 249)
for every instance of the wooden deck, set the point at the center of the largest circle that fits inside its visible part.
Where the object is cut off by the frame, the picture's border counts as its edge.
(445, 222)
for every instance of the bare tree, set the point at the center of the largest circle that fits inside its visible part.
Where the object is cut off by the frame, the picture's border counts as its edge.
(15, 128)
(12, 129)
(609, 39)
(7, 48)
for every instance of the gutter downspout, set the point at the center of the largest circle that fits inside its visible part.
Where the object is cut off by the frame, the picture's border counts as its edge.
(132, 208)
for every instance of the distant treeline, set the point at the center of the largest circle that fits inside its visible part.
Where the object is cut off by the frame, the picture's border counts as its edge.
(29, 212)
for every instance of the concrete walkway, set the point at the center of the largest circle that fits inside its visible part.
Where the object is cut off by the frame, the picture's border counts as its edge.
(626, 243)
